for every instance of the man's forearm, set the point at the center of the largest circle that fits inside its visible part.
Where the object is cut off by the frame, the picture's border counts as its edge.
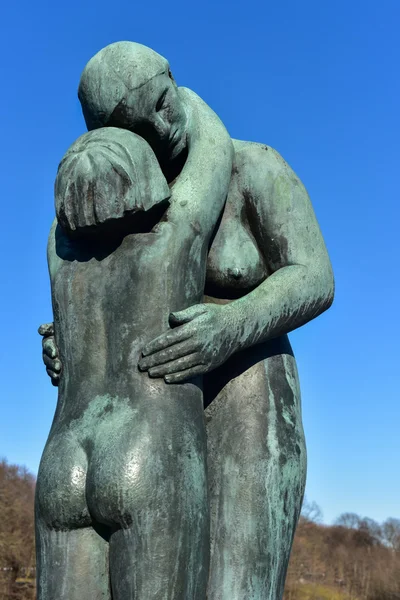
(203, 185)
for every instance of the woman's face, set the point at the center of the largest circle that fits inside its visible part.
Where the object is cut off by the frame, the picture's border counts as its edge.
(155, 111)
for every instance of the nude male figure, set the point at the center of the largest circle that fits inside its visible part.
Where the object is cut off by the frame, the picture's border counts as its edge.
(122, 491)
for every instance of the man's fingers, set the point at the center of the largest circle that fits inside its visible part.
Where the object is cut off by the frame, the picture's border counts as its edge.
(186, 375)
(166, 339)
(52, 364)
(55, 378)
(169, 354)
(46, 329)
(49, 347)
(176, 366)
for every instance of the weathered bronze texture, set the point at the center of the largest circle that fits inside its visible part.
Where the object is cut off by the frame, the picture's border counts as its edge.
(179, 260)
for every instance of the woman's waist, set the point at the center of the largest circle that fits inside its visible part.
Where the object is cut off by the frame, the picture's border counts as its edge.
(250, 359)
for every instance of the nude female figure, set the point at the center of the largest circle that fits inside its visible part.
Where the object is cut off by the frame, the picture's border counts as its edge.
(268, 273)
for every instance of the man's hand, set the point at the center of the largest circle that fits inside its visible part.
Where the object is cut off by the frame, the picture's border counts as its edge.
(199, 342)
(50, 353)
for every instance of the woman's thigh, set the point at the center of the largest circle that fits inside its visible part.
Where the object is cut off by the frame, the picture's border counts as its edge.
(257, 465)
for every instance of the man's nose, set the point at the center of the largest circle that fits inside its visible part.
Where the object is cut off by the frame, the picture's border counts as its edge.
(160, 126)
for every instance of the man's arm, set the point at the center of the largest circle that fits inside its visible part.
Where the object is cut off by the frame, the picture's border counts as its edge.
(202, 186)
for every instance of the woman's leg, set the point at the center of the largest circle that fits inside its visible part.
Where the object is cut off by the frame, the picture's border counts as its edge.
(72, 558)
(147, 483)
(257, 469)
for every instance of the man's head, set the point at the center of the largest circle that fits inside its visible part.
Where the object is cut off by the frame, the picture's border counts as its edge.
(106, 175)
(130, 86)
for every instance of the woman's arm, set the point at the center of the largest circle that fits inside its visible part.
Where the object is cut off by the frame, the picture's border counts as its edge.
(202, 186)
(299, 288)
(301, 284)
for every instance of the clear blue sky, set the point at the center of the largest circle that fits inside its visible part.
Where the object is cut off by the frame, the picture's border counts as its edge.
(319, 81)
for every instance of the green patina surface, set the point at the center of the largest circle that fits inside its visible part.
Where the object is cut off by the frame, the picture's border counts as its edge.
(179, 261)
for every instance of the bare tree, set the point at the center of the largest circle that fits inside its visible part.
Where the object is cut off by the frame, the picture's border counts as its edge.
(311, 512)
(371, 528)
(349, 520)
(16, 531)
(391, 533)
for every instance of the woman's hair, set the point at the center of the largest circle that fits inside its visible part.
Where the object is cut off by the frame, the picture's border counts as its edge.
(105, 175)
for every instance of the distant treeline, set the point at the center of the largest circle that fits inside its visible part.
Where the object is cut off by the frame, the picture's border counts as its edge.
(355, 559)
(17, 543)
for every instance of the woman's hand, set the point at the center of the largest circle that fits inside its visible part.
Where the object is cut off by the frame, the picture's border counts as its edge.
(198, 343)
(50, 353)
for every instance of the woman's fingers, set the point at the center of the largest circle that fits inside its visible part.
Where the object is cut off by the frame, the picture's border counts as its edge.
(175, 366)
(49, 347)
(187, 315)
(186, 375)
(169, 354)
(169, 338)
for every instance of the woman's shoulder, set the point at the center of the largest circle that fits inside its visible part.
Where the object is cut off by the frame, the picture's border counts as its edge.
(256, 154)
(259, 164)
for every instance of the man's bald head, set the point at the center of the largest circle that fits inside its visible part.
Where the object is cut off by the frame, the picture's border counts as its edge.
(113, 72)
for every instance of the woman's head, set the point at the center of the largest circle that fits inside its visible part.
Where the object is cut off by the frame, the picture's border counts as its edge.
(107, 174)
(130, 86)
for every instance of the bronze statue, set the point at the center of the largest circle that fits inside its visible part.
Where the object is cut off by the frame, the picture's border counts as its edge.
(123, 484)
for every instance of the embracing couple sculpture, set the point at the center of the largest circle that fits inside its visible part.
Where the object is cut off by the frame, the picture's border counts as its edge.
(179, 260)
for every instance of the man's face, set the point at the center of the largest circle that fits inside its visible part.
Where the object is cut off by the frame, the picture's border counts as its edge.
(155, 112)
